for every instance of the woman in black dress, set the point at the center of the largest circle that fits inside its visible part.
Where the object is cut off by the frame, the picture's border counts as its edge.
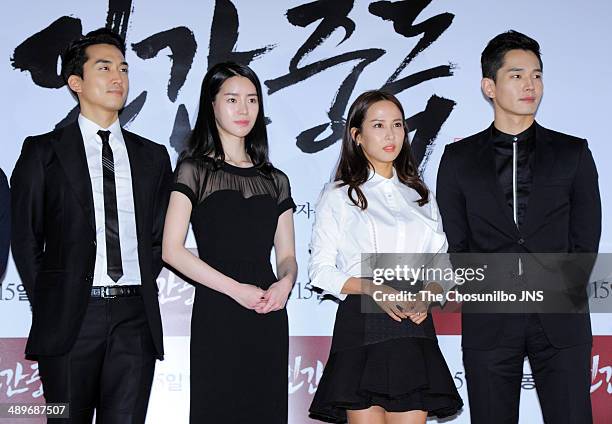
(385, 367)
(239, 207)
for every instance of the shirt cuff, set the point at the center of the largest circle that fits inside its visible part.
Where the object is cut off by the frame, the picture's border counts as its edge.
(331, 282)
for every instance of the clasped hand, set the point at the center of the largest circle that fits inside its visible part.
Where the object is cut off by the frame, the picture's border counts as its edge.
(415, 310)
(264, 301)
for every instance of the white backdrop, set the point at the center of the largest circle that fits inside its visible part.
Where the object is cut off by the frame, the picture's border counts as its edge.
(575, 39)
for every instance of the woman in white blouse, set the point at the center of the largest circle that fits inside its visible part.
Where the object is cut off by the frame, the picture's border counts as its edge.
(383, 367)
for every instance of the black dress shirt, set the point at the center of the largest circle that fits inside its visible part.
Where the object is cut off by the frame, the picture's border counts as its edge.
(504, 157)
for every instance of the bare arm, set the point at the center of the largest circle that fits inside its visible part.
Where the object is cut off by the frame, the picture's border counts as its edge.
(286, 265)
(284, 247)
(356, 285)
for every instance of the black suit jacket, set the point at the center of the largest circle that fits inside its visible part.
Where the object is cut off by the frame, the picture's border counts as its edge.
(5, 222)
(53, 224)
(563, 216)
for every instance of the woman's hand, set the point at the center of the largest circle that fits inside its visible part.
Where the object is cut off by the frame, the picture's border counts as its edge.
(396, 309)
(418, 313)
(419, 308)
(249, 296)
(275, 298)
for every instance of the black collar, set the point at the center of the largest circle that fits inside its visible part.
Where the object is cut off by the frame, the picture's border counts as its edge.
(502, 139)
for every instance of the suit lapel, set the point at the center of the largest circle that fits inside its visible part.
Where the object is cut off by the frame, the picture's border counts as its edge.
(487, 171)
(545, 156)
(139, 167)
(70, 151)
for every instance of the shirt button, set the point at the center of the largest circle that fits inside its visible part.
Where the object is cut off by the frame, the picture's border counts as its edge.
(521, 241)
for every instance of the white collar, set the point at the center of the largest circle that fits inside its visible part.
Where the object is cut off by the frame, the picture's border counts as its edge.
(375, 179)
(90, 129)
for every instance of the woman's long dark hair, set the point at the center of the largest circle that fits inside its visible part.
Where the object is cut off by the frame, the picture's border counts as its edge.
(353, 166)
(204, 140)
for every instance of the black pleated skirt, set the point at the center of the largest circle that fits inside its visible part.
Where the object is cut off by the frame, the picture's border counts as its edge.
(398, 374)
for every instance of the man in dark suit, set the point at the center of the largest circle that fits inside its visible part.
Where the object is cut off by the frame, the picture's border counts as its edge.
(522, 189)
(5, 222)
(88, 210)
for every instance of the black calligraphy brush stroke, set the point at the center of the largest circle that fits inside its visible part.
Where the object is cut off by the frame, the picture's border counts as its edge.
(403, 15)
(428, 124)
(183, 46)
(417, 78)
(224, 35)
(305, 72)
(180, 130)
(131, 111)
(69, 118)
(333, 14)
(436, 26)
(39, 53)
(118, 16)
(307, 141)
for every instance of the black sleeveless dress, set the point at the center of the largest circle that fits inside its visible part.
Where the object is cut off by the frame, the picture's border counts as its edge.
(239, 358)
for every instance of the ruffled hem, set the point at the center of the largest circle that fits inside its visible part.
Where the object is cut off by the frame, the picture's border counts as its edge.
(398, 375)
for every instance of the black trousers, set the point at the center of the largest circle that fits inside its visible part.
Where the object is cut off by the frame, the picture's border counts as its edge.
(562, 376)
(109, 369)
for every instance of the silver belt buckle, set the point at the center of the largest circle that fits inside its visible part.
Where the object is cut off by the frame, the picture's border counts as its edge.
(103, 294)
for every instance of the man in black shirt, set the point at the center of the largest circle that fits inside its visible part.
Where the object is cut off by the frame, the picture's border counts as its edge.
(518, 188)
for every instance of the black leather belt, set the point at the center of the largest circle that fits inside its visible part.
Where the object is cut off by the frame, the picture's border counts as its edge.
(110, 292)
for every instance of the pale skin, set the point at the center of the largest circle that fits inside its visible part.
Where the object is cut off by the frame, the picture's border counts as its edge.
(103, 89)
(516, 92)
(236, 107)
(377, 415)
(381, 138)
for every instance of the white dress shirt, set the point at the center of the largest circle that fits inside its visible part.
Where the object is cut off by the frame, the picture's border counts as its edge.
(392, 223)
(125, 202)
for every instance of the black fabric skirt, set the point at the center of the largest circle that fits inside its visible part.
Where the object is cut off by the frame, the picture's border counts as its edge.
(398, 374)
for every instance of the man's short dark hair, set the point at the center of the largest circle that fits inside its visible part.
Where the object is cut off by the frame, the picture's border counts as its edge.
(492, 57)
(75, 56)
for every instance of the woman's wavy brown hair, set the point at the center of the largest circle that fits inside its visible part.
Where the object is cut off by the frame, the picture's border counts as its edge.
(353, 166)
